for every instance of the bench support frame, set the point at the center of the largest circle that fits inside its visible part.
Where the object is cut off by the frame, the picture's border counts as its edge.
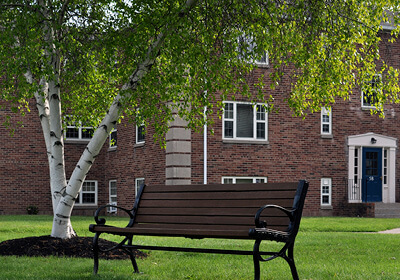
(259, 234)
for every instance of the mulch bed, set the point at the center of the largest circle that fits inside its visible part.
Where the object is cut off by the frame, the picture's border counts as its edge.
(80, 247)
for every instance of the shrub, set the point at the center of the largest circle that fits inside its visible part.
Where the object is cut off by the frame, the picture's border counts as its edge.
(32, 210)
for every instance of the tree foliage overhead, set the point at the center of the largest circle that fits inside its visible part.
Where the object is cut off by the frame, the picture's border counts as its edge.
(325, 48)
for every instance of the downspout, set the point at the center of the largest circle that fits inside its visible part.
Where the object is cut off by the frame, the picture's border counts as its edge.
(205, 147)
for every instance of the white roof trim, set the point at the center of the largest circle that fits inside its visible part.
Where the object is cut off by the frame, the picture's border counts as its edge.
(364, 140)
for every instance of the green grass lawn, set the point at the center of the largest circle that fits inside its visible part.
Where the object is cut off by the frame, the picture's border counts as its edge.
(326, 248)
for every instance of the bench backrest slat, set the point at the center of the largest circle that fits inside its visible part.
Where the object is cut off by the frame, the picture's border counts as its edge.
(215, 206)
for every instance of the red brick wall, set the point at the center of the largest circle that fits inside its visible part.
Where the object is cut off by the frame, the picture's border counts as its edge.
(23, 165)
(295, 151)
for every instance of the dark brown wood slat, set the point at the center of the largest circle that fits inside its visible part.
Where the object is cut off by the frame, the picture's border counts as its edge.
(210, 227)
(193, 233)
(206, 211)
(207, 220)
(177, 232)
(240, 203)
(219, 195)
(191, 226)
(221, 187)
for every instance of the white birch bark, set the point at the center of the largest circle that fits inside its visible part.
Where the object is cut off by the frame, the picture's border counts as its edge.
(62, 224)
(43, 107)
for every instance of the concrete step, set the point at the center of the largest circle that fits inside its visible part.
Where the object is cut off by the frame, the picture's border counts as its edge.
(387, 210)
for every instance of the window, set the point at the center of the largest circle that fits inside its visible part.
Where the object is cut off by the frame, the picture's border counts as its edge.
(326, 192)
(243, 180)
(78, 132)
(245, 121)
(88, 194)
(140, 134)
(138, 183)
(368, 94)
(113, 139)
(326, 121)
(113, 195)
(246, 46)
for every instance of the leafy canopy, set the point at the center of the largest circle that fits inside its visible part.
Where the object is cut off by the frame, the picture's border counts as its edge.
(325, 48)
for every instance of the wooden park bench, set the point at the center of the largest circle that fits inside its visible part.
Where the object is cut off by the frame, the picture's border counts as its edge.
(257, 212)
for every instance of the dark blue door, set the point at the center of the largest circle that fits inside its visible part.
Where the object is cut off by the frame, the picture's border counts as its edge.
(372, 175)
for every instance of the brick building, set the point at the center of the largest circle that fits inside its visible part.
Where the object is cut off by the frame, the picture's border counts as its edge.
(348, 155)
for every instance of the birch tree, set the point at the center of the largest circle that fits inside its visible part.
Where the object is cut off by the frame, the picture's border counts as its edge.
(114, 57)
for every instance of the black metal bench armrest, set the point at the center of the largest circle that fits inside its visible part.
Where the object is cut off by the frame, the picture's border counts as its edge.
(263, 224)
(102, 221)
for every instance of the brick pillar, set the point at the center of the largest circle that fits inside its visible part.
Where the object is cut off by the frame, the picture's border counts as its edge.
(178, 154)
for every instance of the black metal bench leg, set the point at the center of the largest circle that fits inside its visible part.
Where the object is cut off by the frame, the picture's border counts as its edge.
(96, 253)
(256, 259)
(290, 261)
(132, 256)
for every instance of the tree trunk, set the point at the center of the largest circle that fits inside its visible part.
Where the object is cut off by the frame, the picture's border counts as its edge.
(62, 224)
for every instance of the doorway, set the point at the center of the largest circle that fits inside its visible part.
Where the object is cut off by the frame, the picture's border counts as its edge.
(372, 175)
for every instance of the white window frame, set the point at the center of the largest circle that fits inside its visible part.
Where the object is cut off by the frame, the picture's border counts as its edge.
(138, 182)
(79, 202)
(113, 144)
(326, 113)
(255, 122)
(112, 196)
(234, 178)
(326, 191)
(80, 132)
(137, 134)
(366, 105)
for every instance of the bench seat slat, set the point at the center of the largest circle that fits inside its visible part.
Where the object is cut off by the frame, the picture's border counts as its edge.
(239, 203)
(206, 227)
(245, 212)
(222, 187)
(219, 195)
(189, 232)
(207, 220)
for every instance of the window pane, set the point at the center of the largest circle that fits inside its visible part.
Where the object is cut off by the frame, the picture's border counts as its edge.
(141, 134)
(244, 124)
(325, 118)
(228, 112)
(89, 187)
(325, 199)
(325, 128)
(139, 182)
(228, 181)
(262, 180)
(228, 129)
(72, 132)
(88, 198)
(87, 133)
(260, 113)
(263, 59)
(113, 139)
(113, 188)
(244, 181)
(260, 130)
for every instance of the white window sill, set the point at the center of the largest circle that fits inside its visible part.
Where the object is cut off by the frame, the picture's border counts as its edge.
(245, 141)
(326, 136)
(367, 108)
(262, 65)
(86, 206)
(77, 141)
(326, 207)
(111, 149)
(141, 144)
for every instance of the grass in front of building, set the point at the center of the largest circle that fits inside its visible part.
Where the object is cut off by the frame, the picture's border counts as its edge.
(326, 248)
